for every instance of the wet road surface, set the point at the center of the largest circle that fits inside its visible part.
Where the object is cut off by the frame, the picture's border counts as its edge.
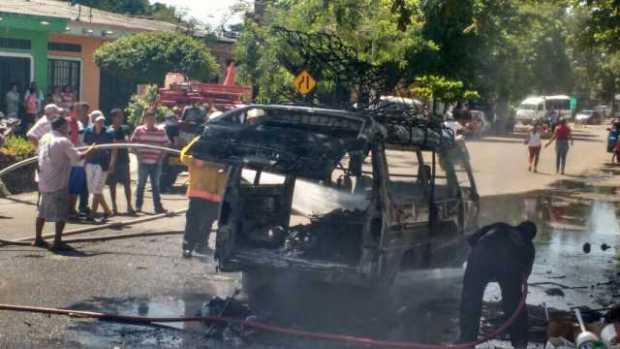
(148, 277)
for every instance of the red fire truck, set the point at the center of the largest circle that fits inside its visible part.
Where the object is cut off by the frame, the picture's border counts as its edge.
(183, 93)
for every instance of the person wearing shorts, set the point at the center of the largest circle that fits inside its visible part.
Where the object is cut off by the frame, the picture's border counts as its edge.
(55, 155)
(119, 164)
(97, 164)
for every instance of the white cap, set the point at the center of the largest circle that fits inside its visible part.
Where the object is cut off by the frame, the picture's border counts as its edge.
(96, 115)
(51, 108)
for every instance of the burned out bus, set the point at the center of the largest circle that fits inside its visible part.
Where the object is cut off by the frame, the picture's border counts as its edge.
(340, 196)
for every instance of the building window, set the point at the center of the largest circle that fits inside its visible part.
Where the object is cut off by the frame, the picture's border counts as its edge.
(62, 72)
(18, 44)
(59, 46)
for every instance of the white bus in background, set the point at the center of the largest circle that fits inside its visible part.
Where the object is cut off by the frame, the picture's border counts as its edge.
(536, 108)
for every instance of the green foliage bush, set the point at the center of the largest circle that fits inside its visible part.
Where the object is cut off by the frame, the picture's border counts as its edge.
(140, 102)
(435, 87)
(147, 57)
(19, 148)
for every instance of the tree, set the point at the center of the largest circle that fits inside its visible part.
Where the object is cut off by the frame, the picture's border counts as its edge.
(603, 25)
(435, 88)
(368, 29)
(147, 57)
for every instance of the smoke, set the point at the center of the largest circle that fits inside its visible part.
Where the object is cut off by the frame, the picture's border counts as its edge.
(315, 199)
(310, 198)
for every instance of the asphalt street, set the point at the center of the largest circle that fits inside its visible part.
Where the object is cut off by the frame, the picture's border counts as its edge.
(148, 276)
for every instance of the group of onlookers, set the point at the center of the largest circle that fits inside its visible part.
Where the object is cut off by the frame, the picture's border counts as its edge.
(65, 174)
(29, 105)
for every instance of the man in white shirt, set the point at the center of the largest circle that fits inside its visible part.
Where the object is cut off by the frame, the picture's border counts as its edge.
(56, 152)
(44, 125)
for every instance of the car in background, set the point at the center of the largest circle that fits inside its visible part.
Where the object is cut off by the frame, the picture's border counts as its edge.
(588, 116)
(534, 109)
(395, 105)
(604, 110)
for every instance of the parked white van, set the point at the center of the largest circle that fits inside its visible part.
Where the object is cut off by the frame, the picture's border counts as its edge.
(536, 108)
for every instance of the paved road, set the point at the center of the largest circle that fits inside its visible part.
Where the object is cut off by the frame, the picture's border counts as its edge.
(148, 276)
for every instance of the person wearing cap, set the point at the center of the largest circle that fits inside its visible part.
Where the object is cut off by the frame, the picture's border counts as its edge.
(499, 253)
(98, 163)
(44, 124)
(56, 152)
(119, 163)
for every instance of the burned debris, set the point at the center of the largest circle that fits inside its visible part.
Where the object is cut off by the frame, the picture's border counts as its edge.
(333, 237)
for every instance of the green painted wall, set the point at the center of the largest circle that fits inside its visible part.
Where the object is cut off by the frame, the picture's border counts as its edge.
(30, 28)
(38, 51)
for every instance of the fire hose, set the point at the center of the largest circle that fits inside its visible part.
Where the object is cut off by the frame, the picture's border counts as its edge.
(112, 146)
(29, 161)
(351, 340)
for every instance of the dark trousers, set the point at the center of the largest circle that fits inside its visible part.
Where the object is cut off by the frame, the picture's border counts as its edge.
(152, 172)
(84, 200)
(534, 155)
(561, 152)
(200, 216)
(484, 267)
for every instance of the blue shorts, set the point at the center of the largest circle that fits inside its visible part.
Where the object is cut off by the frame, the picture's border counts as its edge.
(77, 180)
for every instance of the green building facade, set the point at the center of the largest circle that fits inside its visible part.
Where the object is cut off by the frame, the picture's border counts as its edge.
(24, 50)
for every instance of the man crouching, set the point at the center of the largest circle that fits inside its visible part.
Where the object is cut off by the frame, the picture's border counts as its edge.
(56, 152)
(505, 254)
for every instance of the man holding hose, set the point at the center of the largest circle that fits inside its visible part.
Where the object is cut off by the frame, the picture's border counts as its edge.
(56, 152)
(499, 253)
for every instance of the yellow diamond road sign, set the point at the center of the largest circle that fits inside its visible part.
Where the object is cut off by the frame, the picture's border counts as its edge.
(304, 82)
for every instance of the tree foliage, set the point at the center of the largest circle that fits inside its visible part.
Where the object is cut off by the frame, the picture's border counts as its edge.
(503, 49)
(602, 27)
(147, 57)
(138, 103)
(369, 28)
(438, 88)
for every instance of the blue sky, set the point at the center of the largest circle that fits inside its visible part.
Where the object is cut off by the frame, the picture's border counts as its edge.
(207, 11)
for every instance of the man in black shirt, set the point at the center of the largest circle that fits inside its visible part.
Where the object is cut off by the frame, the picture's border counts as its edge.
(502, 253)
(119, 164)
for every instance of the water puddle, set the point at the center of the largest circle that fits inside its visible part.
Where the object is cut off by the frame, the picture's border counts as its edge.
(569, 215)
(169, 335)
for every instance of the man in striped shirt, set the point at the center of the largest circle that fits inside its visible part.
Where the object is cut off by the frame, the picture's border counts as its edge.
(149, 160)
